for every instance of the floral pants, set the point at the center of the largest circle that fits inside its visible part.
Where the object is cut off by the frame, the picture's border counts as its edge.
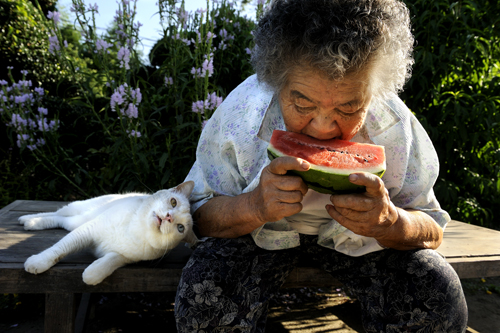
(227, 284)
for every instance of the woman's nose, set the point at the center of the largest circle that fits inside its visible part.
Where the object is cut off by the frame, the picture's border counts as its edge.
(323, 128)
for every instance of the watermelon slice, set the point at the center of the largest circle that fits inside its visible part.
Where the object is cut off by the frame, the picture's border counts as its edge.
(332, 161)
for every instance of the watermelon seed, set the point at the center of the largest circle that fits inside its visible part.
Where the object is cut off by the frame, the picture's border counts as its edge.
(365, 160)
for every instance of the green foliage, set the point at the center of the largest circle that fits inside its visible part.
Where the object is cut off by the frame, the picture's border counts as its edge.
(455, 93)
(101, 145)
(24, 44)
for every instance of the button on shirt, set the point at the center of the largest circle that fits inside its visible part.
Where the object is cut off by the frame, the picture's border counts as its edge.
(232, 152)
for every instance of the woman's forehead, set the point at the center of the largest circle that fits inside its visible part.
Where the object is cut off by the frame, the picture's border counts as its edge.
(314, 88)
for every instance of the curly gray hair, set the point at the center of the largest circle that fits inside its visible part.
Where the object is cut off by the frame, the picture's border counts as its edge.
(338, 38)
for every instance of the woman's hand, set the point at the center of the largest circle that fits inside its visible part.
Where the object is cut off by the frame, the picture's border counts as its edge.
(279, 195)
(369, 214)
(372, 214)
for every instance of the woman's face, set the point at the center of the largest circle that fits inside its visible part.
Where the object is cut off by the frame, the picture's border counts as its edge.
(324, 109)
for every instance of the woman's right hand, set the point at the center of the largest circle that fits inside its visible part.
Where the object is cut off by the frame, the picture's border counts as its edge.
(279, 195)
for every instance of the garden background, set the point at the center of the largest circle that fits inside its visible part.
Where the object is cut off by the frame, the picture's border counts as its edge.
(83, 114)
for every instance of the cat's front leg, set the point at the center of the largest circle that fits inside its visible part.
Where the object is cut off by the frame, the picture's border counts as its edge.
(74, 241)
(39, 263)
(32, 220)
(103, 267)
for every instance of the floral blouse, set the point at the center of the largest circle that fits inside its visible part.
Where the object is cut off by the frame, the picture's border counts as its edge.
(232, 152)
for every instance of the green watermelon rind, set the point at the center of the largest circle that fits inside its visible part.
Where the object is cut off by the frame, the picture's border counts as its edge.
(320, 180)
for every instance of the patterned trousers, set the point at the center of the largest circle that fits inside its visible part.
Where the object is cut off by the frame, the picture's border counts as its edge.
(227, 284)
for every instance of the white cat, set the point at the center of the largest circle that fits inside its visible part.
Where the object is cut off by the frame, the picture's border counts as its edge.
(119, 228)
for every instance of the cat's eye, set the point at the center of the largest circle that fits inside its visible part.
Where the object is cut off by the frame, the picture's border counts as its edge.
(173, 202)
(180, 227)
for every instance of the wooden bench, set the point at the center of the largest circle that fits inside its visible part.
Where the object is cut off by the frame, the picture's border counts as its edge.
(471, 250)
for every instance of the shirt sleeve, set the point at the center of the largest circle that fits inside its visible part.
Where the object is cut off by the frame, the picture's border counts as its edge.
(412, 165)
(215, 171)
(230, 156)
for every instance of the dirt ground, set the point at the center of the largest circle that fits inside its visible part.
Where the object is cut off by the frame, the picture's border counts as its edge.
(295, 310)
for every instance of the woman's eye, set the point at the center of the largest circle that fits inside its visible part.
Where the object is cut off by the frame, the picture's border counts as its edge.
(180, 227)
(173, 202)
(304, 110)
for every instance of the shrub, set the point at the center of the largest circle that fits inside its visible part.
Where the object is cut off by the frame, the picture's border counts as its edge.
(455, 93)
(122, 125)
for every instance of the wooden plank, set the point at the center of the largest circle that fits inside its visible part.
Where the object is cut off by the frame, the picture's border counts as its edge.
(310, 277)
(81, 314)
(9, 207)
(66, 279)
(468, 256)
(467, 240)
(59, 313)
(475, 267)
(37, 206)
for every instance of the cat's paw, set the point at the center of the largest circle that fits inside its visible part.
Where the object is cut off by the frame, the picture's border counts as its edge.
(92, 277)
(32, 223)
(37, 264)
(22, 220)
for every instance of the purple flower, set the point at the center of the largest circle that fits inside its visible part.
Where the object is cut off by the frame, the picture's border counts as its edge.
(133, 133)
(116, 99)
(77, 8)
(44, 126)
(168, 81)
(210, 103)
(3, 83)
(207, 68)
(18, 122)
(54, 44)
(55, 16)
(126, 100)
(94, 8)
(132, 111)
(136, 95)
(101, 44)
(124, 57)
(43, 111)
(197, 107)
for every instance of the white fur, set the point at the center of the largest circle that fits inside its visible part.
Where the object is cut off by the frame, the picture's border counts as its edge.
(119, 228)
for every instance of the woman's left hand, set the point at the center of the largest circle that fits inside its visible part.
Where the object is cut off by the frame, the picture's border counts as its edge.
(369, 214)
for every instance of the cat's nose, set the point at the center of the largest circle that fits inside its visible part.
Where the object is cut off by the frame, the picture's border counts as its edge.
(168, 218)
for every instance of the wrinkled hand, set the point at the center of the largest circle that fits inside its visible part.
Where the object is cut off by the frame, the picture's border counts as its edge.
(279, 195)
(369, 214)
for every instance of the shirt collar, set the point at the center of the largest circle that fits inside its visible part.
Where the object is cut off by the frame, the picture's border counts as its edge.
(272, 120)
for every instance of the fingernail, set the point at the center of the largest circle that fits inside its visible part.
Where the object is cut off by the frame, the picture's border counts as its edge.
(353, 178)
(305, 165)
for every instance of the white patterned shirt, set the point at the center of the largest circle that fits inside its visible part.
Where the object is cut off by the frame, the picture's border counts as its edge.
(232, 152)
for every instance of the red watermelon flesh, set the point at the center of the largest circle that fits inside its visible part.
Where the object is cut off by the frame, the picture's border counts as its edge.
(332, 161)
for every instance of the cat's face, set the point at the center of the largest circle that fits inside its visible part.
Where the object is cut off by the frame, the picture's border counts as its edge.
(169, 220)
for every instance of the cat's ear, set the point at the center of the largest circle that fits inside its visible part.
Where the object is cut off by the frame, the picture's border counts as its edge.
(185, 188)
(190, 237)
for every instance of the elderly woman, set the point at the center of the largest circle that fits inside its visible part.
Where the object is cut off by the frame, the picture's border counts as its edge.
(328, 69)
